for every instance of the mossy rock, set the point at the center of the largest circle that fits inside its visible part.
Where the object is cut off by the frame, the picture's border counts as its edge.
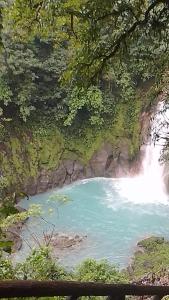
(154, 257)
(150, 244)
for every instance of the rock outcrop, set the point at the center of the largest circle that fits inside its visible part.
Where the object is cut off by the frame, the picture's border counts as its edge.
(13, 234)
(104, 163)
(60, 242)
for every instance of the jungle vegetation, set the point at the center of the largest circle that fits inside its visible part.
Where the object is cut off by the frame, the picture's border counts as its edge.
(66, 57)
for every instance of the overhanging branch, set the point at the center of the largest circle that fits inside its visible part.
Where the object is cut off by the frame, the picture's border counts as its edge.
(122, 38)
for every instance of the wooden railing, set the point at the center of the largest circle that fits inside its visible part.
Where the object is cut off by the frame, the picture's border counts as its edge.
(74, 290)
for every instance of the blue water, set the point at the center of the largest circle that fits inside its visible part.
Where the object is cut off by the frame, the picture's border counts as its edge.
(99, 209)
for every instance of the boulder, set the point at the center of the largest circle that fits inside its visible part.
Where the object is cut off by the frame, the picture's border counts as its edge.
(63, 241)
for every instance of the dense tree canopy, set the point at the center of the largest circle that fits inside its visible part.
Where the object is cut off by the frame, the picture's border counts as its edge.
(57, 55)
(99, 33)
(29, 77)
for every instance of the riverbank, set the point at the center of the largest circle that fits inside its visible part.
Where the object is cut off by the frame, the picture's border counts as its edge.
(151, 257)
(150, 263)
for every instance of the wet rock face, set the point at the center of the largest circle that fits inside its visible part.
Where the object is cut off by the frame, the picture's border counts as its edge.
(166, 176)
(98, 162)
(106, 162)
(13, 234)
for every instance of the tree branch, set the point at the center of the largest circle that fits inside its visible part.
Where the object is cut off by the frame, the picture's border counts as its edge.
(72, 25)
(116, 45)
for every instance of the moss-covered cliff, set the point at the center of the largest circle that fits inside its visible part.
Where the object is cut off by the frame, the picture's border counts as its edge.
(39, 155)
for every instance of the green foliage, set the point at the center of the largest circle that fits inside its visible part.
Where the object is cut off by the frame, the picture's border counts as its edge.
(150, 244)
(81, 45)
(153, 258)
(10, 217)
(6, 268)
(101, 34)
(34, 210)
(3, 182)
(6, 202)
(7, 207)
(59, 199)
(6, 246)
(40, 266)
(29, 78)
(26, 151)
(99, 271)
(5, 92)
(87, 101)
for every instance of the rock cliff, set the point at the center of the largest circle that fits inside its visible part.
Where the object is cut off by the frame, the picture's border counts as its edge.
(35, 160)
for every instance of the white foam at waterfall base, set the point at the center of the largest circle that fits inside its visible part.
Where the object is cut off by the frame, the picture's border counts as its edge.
(139, 190)
(149, 186)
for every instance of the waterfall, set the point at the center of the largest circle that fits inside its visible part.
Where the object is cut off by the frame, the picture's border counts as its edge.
(149, 185)
(153, 168)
